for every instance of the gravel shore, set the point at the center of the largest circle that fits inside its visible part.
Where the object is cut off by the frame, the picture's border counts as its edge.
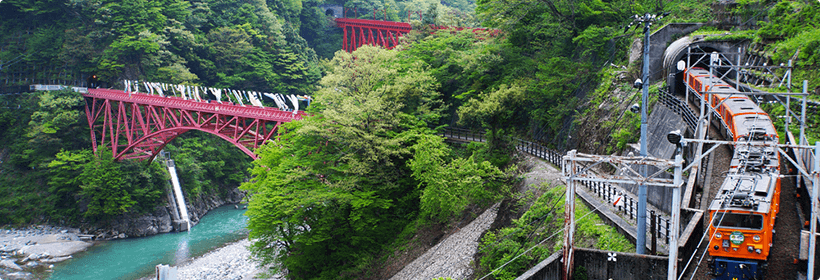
(23, 250)
(229, 262)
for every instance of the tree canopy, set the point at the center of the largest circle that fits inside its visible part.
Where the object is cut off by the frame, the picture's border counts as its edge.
(337, 186)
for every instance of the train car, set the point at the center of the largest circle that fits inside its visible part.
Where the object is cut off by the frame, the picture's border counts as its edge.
(725, 93)
(742, 222)
(742, 215)
(738, 112)
(702, 81)
(742, 117)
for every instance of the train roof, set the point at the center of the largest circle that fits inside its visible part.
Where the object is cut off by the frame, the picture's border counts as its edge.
(742, 106)
(705, 76)
(725, 89)
(742, 191)
(698, 71)
(757, 125)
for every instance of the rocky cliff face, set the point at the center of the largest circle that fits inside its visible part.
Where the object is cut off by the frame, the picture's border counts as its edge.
(160, 220)
(200, 206)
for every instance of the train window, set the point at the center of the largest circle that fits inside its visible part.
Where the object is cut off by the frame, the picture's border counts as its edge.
(738, 220)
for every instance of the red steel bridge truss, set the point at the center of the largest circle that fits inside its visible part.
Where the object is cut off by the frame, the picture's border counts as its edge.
(360, 32)
(138, 125)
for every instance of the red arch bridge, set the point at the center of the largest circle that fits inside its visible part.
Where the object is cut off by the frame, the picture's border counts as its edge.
(138, 125)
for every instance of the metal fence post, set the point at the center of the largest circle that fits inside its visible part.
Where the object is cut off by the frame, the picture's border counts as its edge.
(654, 229)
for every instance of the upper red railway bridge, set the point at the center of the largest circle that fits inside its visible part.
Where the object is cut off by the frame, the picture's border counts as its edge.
(138, 125)
(360, 32)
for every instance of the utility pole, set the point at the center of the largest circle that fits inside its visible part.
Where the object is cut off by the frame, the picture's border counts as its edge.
(646, 20)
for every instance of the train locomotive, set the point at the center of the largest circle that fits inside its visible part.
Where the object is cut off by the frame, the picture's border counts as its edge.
(743, 213)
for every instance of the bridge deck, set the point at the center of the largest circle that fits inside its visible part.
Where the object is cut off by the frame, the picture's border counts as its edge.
(224, 108)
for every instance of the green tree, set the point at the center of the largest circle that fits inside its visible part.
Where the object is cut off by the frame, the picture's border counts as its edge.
(64, 185)
(492, 109)
(103, 184)
(53, 126)
(449, 187)
(111, 188)
(335, 187)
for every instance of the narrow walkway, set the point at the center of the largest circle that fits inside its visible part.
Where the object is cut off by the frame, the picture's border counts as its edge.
(451, 257)
(599, 194)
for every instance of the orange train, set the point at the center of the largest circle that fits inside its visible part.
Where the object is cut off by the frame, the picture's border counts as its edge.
(743, 213)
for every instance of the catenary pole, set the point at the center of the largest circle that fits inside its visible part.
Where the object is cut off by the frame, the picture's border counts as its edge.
(641, 238)
(672, 272)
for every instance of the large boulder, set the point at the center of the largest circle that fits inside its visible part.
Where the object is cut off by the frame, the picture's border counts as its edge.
(10, 265)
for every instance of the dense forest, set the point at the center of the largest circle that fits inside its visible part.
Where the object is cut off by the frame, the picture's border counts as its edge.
(337, 190)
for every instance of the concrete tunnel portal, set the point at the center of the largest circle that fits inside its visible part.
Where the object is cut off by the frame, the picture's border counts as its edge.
(700, 50)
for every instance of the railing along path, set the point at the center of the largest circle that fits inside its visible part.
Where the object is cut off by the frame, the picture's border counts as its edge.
(605, 191)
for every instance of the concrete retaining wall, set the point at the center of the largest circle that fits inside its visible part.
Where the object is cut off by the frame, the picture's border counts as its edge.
(661, 122)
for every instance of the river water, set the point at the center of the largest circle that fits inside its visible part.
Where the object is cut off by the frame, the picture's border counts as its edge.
(136, 257)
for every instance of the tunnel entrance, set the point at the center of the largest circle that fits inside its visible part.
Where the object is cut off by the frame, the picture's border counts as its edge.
(700, 57)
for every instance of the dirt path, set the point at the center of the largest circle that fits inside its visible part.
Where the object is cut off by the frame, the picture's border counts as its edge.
(452, 256)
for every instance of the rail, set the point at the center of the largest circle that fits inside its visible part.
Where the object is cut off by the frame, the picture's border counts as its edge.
(605, 191)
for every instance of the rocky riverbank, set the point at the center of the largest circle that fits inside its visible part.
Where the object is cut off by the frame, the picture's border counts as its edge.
(229, 262)
(22, 251)
(160, 220)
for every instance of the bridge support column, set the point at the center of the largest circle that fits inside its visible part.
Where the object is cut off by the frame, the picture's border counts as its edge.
(344, 39)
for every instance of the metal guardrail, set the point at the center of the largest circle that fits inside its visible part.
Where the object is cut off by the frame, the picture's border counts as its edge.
(679, 107)
(718, 117)
(463, 135)
(607, 192)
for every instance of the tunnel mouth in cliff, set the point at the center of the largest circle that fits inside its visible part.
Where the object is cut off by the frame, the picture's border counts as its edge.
(699, 52)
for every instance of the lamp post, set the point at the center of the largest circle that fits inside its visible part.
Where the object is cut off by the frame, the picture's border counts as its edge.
(647, 20)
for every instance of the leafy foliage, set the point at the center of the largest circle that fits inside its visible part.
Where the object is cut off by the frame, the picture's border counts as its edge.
(112, 189)
(167, 41)
(54, 125)
(492, 109)
(449, 187)
(335, 186)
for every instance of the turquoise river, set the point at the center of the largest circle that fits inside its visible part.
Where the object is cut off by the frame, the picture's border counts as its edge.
(134, 258)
